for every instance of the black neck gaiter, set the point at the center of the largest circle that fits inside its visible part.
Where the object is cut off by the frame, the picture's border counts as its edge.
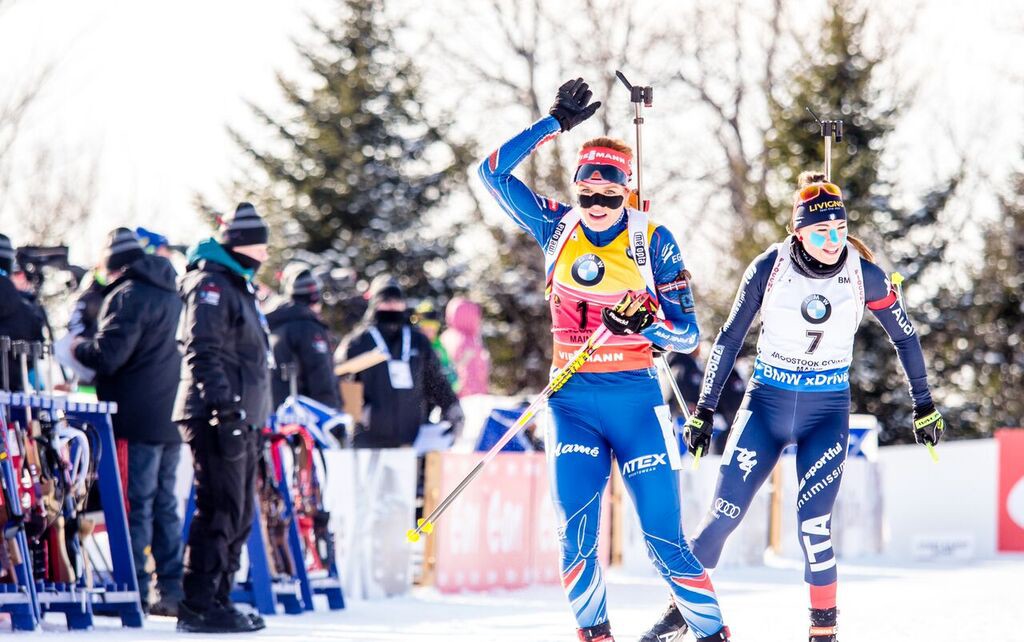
(812, 267)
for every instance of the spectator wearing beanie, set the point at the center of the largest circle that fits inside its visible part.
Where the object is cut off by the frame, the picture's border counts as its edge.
(137, 365)
(18, 319)
(400, 394)
(300, 338)
(223, 401)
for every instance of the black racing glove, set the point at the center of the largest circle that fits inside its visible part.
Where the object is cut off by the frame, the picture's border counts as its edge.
(229, 421)
(928, 424)
(699, 428)
(629, 316)
(572, 105)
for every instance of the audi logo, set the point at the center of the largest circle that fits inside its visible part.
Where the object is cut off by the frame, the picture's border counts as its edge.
(730, 510)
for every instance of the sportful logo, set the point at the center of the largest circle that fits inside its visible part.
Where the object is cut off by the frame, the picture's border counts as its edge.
(639, 249)
(730, 510)
(747, 460)
(643, 464)
(567, 449)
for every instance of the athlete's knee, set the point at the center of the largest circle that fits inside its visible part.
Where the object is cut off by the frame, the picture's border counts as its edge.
(671, 557)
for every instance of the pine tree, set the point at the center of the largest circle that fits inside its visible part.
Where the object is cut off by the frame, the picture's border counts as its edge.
(840, 82)
(977, 331)
(357, 173)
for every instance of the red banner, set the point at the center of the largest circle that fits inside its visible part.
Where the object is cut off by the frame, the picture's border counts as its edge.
(1011, 489)
(501, 532)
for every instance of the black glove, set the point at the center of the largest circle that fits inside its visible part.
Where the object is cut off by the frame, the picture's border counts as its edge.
(571, 106)
(928, 424)
(629, 316)
(698, 430)
(229, 421)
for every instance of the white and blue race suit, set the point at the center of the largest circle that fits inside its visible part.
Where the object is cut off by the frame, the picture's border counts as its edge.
(799, 393)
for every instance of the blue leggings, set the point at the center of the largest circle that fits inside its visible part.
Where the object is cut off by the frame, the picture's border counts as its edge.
(769, 419)
(596, 416)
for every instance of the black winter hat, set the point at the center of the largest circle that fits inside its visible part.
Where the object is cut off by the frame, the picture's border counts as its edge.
(6, 254)
(244, 227)
(300, 284)
(123, 248)
(385, 288)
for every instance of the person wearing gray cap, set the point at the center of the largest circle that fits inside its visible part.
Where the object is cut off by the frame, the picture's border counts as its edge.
(137, 365)
(223, 401)
(301, 339)
(18, 319)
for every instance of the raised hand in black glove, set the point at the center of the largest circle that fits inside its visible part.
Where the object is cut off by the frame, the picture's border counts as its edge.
(928, 425)
(629, 316)
(699, 428)
(573, 106)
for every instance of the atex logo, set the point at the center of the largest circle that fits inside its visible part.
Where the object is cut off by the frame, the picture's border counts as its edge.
(730, 510)
(644, 464)
(565, 449)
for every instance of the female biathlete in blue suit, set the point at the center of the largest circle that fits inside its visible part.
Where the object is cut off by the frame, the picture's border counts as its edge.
(811, 291)
(607, 264)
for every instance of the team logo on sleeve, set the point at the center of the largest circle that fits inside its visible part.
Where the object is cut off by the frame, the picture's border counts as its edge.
(209, 294)
(588, 269)
(816, 309)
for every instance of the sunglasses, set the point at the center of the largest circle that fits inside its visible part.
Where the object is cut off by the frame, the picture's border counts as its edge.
(812, 192)
(611, 202)
(595, 172)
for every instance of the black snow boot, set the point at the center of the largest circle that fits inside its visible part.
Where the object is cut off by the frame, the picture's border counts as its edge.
(823, 625)
(216, 619)
(596, 633)
(721, 636)
(670, 628)
(256, 619)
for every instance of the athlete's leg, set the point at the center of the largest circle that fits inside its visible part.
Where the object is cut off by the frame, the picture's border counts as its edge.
(759, 434)
(822, 437)
(645, 454)
(579, 461)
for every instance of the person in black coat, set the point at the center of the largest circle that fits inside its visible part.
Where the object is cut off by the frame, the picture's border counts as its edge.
(399, 394)
(299, 337)
(223, 401)
(18, 319)
(137, 365)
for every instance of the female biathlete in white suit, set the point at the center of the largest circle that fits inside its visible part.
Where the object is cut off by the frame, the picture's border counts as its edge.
(811, 291)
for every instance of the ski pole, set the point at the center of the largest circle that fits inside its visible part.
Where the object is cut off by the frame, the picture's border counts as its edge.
(678, 394)
(897, 282)
(596, 340)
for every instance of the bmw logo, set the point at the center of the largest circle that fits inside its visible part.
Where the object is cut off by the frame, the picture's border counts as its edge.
(816, 309)
(588, 269)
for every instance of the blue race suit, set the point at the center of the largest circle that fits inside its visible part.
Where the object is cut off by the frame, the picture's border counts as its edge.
(605, 409)
(798, 396)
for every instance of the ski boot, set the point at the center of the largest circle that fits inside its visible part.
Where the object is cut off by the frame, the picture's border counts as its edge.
(721, 636)
(823, 625)
(670, 628)
(596, 633)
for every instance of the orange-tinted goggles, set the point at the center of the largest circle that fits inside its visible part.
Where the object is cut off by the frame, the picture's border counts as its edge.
(812, 192)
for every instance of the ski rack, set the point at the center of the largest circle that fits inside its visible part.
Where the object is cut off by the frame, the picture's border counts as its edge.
(30, 599)
(264, 591)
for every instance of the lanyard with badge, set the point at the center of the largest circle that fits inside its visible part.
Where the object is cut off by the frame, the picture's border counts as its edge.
(398, 369)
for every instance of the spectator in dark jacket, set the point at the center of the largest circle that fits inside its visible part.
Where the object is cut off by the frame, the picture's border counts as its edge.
(223, 400)
(18, 319)
(137, 365)
(689, 374)
(399, 394)
(299, 337)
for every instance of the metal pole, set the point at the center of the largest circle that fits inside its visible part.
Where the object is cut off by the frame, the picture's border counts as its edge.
(638, 120)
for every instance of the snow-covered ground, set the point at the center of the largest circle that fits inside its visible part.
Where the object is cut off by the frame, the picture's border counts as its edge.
(972, 602)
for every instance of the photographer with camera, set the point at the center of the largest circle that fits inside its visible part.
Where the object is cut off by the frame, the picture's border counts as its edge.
(19, 319)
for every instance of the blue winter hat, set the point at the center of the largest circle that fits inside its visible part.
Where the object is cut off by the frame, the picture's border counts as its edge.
(151, 241)
(818, 202)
